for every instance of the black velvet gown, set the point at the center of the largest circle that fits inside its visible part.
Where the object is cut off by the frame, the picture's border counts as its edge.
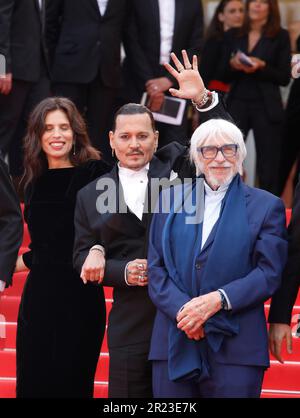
(61, 321)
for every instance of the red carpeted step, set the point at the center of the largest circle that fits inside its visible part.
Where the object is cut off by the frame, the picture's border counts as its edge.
(23, 250)
(26, 236)
(8, 332)
(104, 348)
(282, 376)
(280, 394)
(7, 363)
(108, 291)
(18, 283)
(9, 307)
(7, 387)
(102, 368)
(100, 390)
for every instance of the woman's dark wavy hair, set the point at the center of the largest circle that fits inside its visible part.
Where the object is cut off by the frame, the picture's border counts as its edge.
(271, 28)
(216, 28)
(35, 161)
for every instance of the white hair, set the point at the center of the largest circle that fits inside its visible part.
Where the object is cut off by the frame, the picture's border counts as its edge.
(217, 129)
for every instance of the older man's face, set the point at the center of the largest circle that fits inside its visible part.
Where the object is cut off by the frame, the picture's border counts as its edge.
(218, 169)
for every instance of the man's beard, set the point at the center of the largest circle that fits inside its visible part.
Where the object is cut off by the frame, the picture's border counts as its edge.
(215, 181)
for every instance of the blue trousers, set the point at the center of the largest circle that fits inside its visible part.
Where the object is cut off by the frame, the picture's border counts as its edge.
(226, 381)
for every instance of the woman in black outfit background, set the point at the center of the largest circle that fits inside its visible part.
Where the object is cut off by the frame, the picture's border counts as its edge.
(228, 14)
(61, 321)
(291, 144)
(254, 100)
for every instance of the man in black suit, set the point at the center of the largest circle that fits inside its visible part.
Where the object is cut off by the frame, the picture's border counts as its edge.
(280, 316)
(123, 234)
(26, 82)
(154, 29)
(84, 40)
(11, 227)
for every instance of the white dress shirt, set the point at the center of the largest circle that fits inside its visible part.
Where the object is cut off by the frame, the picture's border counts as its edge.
(134, 184)
(102, 6)
(167, 22)
(212, 208)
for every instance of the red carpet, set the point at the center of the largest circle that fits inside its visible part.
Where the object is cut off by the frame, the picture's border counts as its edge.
(280, 380)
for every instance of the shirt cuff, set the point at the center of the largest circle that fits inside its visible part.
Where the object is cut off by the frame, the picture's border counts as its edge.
(99, 248)
(2, 285)
(229, 307)
(214, 103)
(125, 275)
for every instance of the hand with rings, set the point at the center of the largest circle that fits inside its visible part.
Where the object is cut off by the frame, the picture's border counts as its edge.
(137, 272)
(187, 75)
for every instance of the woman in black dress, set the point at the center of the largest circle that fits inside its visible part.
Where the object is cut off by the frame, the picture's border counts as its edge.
(254, 100)
(61, 321)
(228, 14)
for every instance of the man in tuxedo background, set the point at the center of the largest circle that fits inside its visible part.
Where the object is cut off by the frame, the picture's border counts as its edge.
(26, 82)
(154, 29)
(280, 316)
(124, 236)
(11, 227)
(84, 41)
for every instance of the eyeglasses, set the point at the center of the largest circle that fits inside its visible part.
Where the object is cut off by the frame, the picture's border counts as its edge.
(210, 151)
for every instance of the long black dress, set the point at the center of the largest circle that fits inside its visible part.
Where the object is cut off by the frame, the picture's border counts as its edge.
(61, 321)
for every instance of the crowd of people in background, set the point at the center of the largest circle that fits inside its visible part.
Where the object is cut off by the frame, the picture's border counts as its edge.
(72, 49)
(65, 121)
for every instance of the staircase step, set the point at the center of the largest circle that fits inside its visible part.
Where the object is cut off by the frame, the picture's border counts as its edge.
(8, 363)
(279, 394)
(102, 368)
(100, 389)
(283, 377)
(7, 387)
(9, 307)
(8, 332)
(16, 289)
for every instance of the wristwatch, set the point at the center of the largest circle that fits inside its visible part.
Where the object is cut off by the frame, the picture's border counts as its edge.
(224, 304)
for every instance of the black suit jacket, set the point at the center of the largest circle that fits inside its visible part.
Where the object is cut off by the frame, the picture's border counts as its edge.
(11, 226)
(82, 42)
(284, 299)
(142, 41)
(277, 54)
(21, 38)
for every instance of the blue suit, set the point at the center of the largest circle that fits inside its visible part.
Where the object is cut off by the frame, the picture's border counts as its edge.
(268, 249)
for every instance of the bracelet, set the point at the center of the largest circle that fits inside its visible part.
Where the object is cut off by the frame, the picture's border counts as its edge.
(98, 248)
(204, 99)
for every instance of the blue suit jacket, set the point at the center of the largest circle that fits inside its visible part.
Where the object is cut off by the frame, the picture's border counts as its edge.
(266, 216)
